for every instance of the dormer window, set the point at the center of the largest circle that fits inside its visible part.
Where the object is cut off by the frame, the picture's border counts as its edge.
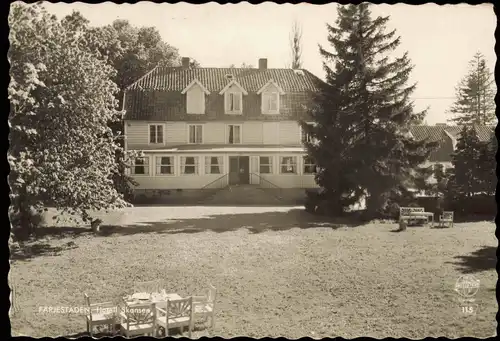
(195, 97)
(270, 102)
(270, 94)
(233, 98)
(233, 101)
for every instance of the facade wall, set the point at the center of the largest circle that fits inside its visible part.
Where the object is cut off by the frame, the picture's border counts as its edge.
(177, 180)
(177, 133)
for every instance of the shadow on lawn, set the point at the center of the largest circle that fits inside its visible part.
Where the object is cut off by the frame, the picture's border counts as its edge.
(254, 222)
(29, 251)
(480, 260)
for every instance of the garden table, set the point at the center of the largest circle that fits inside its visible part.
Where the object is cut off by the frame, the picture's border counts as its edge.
(160, 299)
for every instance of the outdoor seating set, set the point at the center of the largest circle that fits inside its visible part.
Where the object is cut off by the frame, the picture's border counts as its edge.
(416, 214)
(151, 311)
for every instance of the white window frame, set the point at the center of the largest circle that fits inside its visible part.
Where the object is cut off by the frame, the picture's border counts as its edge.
(309, 164)
(209, 164)
(295, 164)
(196, 165)
(202, 100)
(187, 92)
(162, 125)
(308, 137)
(146, 166)
(263, 91)
(240, 96)
(239, 92)
(189, 133)
(270, 165)
(265, 103)
(227, 133)
(159, 165)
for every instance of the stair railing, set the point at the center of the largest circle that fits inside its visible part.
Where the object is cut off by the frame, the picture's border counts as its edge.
(220, 182)
(269, 184)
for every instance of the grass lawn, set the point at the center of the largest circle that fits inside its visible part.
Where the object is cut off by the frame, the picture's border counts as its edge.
(278, 271)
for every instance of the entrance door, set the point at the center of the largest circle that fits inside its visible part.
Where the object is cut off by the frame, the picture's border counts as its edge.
(239, 170)
(234, 167)
(244, 169)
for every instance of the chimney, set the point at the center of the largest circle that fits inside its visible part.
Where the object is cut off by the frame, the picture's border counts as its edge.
(262, 63)
(185, 62)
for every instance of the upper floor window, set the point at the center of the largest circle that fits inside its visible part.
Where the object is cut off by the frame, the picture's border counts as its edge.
(233, 102)
(140, 166)
(270, 96)
(195, 134)
(234, 133)
(305, 136)
(195, 97)
(233, 97)
(270, 102)
(156, 133)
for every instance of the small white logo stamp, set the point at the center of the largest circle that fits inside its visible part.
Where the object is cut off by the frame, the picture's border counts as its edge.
(467, 287)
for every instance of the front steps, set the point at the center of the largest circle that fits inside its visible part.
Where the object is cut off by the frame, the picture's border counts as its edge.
(243, 195)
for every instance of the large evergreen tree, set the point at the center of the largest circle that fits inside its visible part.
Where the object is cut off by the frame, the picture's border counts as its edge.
(467, 173)
(362, 114)
(487, 165)
(475, 95)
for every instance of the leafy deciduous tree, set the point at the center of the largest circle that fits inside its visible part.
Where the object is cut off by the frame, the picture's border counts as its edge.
(62, 98)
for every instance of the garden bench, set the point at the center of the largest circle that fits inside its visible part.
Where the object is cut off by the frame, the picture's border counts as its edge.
(414, 213)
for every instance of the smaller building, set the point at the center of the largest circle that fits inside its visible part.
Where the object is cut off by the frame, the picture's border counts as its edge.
(447, 137)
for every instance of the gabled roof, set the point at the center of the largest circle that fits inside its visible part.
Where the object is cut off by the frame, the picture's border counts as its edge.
(195, 81)
(216, 79)
(436, 133)
(271, 81)
(230, 84)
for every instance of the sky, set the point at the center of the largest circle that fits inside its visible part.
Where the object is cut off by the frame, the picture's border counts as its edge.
(440, 40)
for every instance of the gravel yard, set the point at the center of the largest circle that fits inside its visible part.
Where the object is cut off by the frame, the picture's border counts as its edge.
(278, 271)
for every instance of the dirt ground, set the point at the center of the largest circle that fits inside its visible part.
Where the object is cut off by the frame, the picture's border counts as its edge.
(278, 272)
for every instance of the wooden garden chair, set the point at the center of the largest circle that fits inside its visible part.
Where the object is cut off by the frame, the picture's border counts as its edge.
(178, 314)
(446, 218)
(138, 319)
(148, 286)
(99, 314)
(204, 306)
